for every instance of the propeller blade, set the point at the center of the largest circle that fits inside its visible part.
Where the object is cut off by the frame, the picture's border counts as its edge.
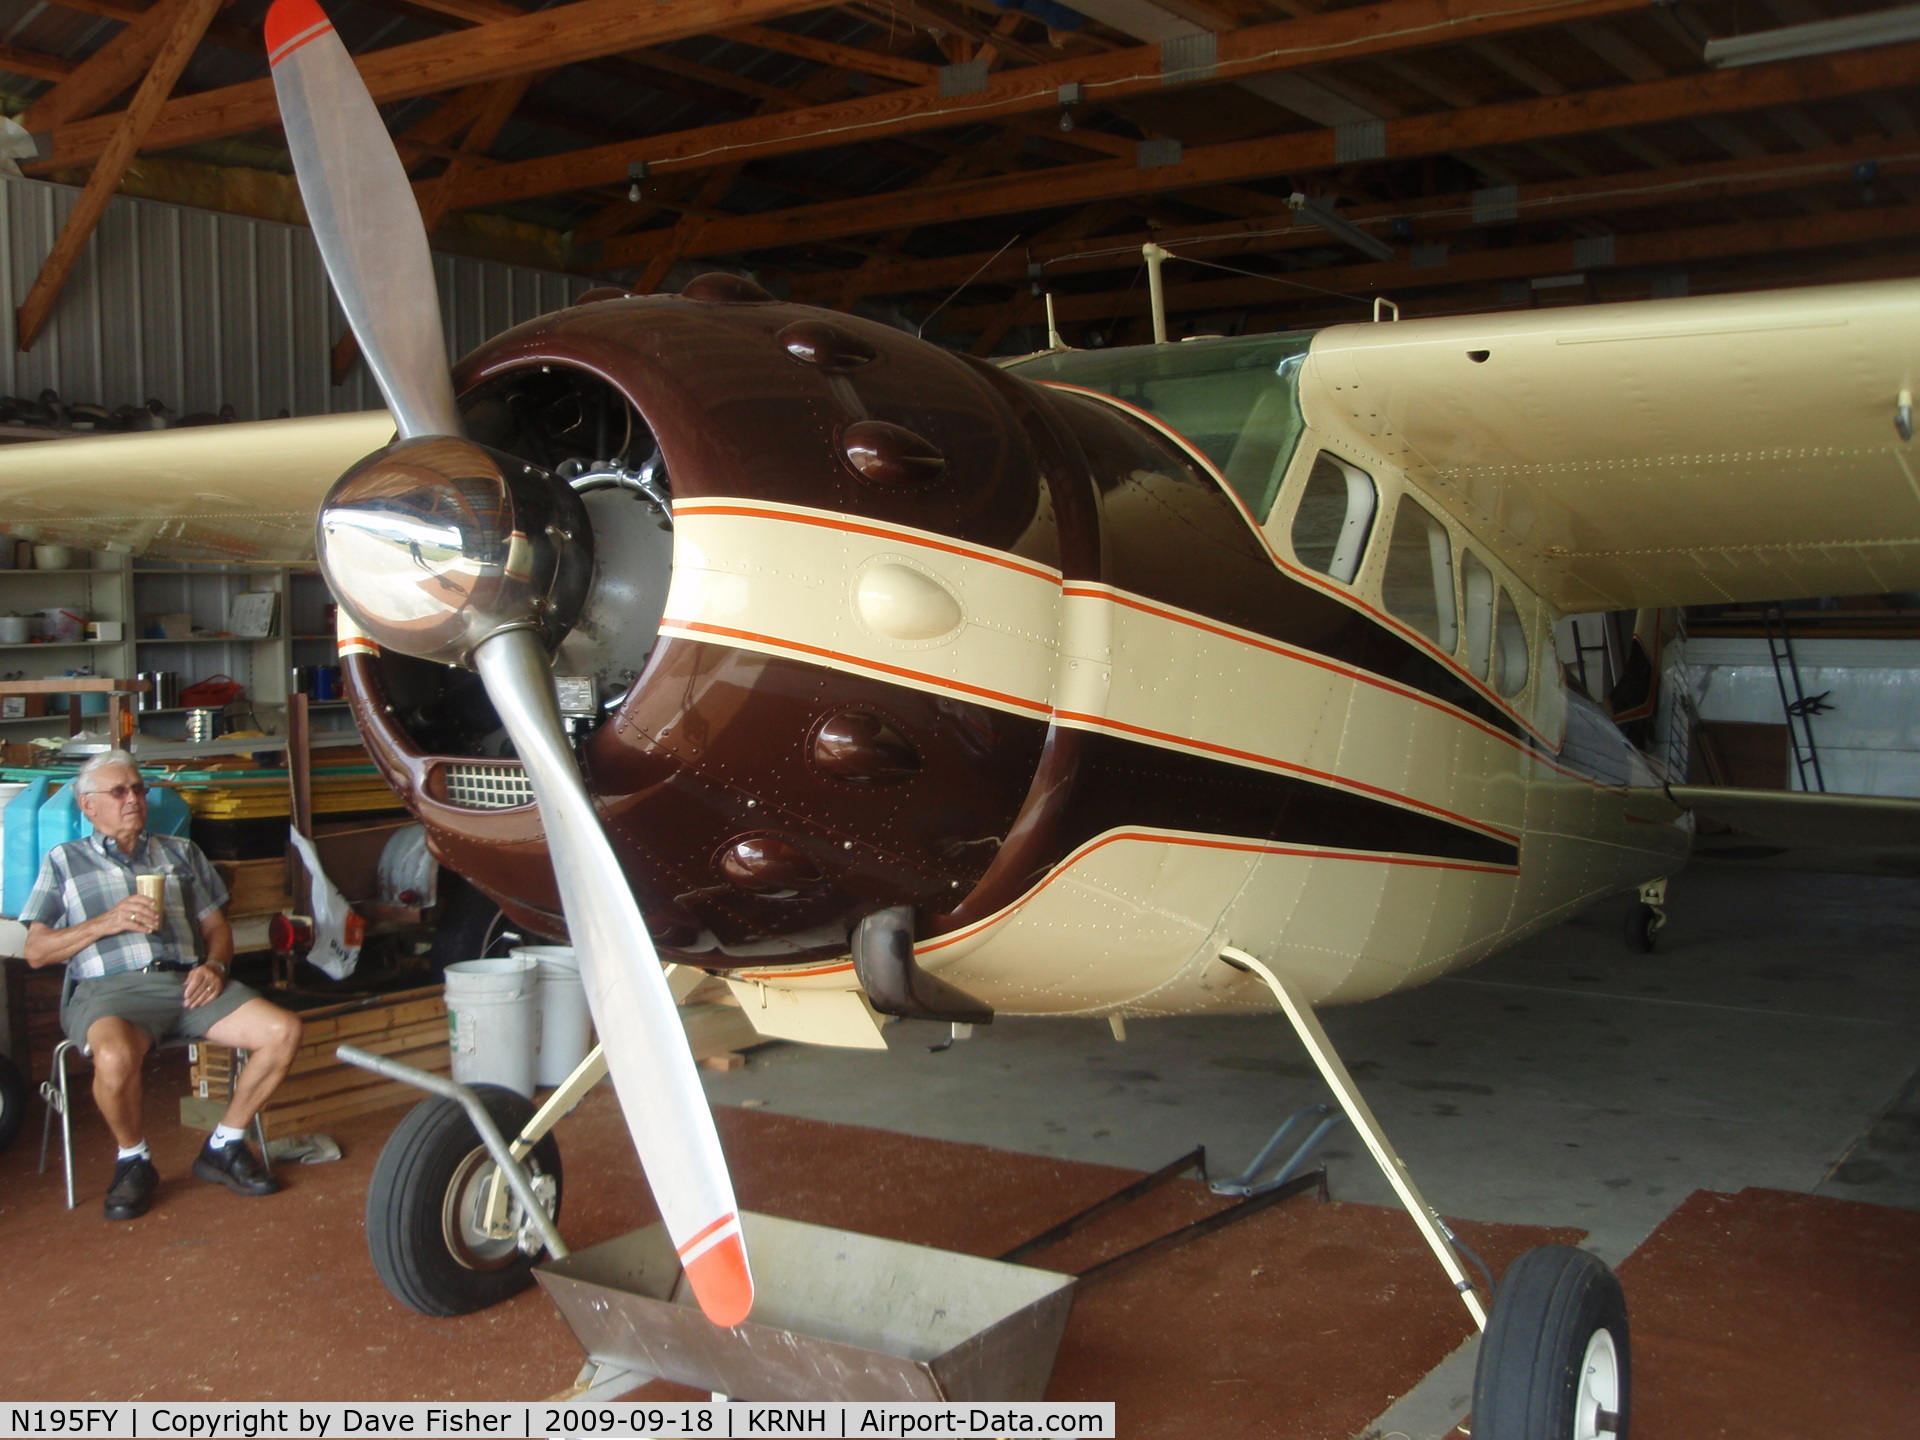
(368, 227)
(364, 216)
(673, 1124)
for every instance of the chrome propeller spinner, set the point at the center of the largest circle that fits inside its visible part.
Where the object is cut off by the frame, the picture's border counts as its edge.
(435, 545)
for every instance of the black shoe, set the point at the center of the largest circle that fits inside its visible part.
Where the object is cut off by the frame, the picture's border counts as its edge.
(133, 1184)
(233, 1166)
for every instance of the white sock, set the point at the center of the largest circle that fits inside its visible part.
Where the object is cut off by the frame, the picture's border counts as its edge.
(225, 1135)
(135, 1152)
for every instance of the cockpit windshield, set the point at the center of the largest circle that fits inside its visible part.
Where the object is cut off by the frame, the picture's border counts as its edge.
(1236, 401)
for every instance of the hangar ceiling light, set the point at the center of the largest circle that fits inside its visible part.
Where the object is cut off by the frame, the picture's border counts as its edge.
(1822, 37)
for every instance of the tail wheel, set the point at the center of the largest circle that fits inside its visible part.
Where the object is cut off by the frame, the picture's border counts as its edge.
(13, 1101)
(1554, 1359)
(428, 1229)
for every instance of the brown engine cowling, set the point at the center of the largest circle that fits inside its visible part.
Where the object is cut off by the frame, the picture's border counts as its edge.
(762, 805)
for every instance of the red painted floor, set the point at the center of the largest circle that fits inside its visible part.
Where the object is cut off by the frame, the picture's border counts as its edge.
(1303, 1322)
(1766, 1313)
(1758, 1314)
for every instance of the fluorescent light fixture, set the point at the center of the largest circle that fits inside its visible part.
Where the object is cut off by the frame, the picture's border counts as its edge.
(1340, 229)
(1822, 37)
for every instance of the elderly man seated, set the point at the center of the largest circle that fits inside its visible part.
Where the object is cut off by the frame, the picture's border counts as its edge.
(147, 972)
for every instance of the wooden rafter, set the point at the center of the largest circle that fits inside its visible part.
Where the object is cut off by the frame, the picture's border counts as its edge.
(713, 186)
(1393, 24)
(186, 22)
(856, 58)
(1723, 91)
(1786, 271)
(16, 61)
(220, 31)
(1430, 215)
(104, 75)
(1521, 262)
(543, 40)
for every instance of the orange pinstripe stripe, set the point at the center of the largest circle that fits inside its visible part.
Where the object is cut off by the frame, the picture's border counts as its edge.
(854, 527)
(1292, 769)
(1092, 721)
(938, 681)
(1244, 846)
(1319, 582)
(706, 1230)
(1306, 657)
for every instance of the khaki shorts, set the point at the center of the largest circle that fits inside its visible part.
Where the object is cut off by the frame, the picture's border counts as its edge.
(149, 999)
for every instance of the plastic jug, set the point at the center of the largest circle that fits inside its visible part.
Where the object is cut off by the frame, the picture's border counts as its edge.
(167, 813)
(20, 865)
(60, 821)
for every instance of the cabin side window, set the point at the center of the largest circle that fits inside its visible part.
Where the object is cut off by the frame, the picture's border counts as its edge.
(1334, 518)
(1417, 585)
(1268, 436)
(1511, 666)
(1476, 605)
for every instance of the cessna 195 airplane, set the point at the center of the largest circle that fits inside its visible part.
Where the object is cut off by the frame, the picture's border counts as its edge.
(1214, 677)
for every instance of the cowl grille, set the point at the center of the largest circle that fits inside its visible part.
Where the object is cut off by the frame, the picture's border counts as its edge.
(487, 787)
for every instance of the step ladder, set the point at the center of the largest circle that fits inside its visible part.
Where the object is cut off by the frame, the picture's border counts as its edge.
(1799, 706)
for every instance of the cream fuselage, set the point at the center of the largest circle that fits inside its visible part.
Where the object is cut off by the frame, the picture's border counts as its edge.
(1133, 920)
(1132, 724)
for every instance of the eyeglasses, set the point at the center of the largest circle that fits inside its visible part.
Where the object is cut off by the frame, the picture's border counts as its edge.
(121, 792)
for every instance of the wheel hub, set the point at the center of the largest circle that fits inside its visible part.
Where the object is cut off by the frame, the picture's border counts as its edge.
(1596, 1411)
(474, 1242)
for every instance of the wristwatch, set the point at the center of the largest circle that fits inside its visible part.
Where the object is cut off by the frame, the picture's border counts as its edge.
(216, 966)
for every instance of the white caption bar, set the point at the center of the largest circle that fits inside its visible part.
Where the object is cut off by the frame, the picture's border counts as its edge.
(267, 1421)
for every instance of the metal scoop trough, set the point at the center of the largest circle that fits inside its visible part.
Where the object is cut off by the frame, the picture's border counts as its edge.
(836, 1316)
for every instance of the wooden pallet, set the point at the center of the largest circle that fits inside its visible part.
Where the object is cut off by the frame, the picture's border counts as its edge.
(411, 1026)
(255, 887)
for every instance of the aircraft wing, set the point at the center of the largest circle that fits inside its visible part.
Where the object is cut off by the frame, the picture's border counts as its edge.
(206, 492)
(1667, 452)
(1799, 830)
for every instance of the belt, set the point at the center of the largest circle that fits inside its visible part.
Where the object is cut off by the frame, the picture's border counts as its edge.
(176, 965)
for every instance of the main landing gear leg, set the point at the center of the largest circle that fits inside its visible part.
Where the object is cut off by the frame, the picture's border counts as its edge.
(1648, 916)
(1307, 1026)
(1553, 1361)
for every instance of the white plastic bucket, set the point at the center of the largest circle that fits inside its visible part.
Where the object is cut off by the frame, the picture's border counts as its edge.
(493, 1021)
(566, 1024)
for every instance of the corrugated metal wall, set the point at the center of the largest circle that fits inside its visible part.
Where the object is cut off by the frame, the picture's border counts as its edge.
(199, 309)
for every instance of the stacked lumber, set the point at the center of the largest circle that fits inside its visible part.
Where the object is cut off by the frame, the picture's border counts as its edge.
(342, 795)
(255, 887)
(236, 787)
(410, 1026)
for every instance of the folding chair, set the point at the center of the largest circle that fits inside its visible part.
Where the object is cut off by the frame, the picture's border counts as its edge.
(58, 1095)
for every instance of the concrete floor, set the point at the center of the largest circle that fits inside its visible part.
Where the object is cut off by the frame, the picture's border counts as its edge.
(1772, 1040)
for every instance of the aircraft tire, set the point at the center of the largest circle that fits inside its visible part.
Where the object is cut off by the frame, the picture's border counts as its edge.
(13, 1101)
(1643, 929)
(1554, 1360)
(430, 1178)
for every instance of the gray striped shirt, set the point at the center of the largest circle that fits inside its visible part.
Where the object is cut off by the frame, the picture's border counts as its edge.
(85, 878)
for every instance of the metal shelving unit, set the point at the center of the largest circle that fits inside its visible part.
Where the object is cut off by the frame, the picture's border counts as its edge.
(97, 589)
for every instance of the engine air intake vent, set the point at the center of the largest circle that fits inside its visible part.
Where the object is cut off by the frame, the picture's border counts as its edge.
(487, 787)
